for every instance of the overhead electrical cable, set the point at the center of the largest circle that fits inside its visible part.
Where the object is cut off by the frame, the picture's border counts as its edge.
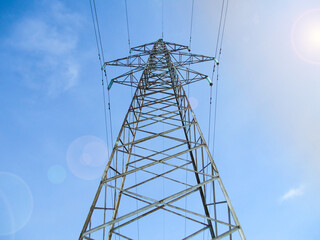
(191, 24)
(98, 28)
(128, 30)
(190, 37)
(162, 21)
(105, 72)
(222, 23)
(217, 81)
(212, 77)
(102, 77)
(101, 57)
(100, 52)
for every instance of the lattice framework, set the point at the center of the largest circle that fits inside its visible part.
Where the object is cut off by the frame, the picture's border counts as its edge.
(129, 191)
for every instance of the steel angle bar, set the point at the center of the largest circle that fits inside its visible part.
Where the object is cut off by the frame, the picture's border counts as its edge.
(190, 58)
(160, 175)
(150, 103)
(160, 89)
(166, 115)
(154, 153)
(114, 170)
(149, 165)
(164, 110)
(88, 238)
(156, 100)
(173, 47)
(167, 112)
(158, 208)
(171, 198)
(164, 135)
(155, 96)
(172, 165)
(151, 137)
(226, 233)
(194, 171)
(221, 202)
(154, 116)
(143, 48)
(127, 150)
(127, 125)
(196, 233)
(165, 154)
(122, 236)
(199, 215)
(178, 208)
(102, 208)
(135, 60)
(164, 121)
(148, 92)
(192, 75)
(165, 105)
(165, 209)
(124, 77)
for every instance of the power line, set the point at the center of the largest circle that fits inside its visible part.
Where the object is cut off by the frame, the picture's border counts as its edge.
(220, 35)
(219, 30)
(102, 79)
(98, 28)
(101, 57)
(191, 24)
(162, 19)
(217, 81)
(128, 30)
(105, 73)
(223, 29)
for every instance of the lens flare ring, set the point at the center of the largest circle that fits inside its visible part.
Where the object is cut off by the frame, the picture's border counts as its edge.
(309, 36)
(87, 156)
(16, 204)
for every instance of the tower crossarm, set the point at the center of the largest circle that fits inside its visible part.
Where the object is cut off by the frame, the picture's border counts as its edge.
(171, 47)
(186, 76)
(135, 60)
(139, 62)
(183, 58)
(179, 59)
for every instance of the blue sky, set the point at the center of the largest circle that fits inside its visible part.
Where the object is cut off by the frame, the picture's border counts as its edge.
(267, 136)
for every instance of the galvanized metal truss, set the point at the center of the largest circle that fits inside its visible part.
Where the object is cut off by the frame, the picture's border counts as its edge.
(160, 171)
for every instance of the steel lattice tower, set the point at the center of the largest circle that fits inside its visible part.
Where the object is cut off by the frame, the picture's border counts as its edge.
(160, 172)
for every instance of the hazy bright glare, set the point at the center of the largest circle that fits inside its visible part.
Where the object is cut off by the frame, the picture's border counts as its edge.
(87, 156)
(306, 36)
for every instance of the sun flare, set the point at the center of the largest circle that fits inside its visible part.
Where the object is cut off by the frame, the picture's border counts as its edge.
(305, 36)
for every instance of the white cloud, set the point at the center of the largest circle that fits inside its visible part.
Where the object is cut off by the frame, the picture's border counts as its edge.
(47, 45)
(294, 192)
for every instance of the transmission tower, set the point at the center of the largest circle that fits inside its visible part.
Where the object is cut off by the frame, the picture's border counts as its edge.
(160, 181)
